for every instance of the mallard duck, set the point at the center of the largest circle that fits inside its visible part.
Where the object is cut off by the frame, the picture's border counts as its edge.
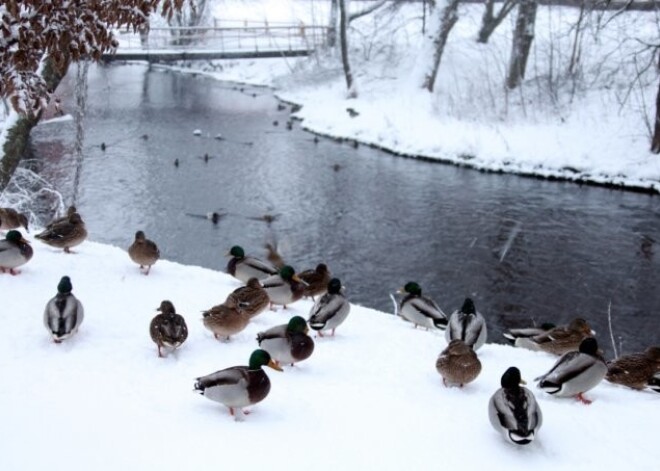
(634, 370)
(244, 267)
(65, 234)
(70, 210)
(331, 310)
(239, 386)
(468, 325)
(14, 252)
(283, 288)
(287, 343)
(252, 298)
(420, 310)
(225, 319)
(458, 364)
(559, 340)
(12, 219)
(143, 251)
(273, 256)
(513, 410)
(168, 329)
(317, 280)
(525, 332)
(575, 372)
(64, 313)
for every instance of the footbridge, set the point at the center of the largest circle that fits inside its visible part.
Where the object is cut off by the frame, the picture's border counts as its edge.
(247, 41)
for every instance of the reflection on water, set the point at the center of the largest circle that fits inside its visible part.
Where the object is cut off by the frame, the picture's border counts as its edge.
(525, 250)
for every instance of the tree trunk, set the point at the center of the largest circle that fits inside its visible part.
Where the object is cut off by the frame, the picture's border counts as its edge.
(490, 21)
(446, 16)
(343, 40)
(523, 36)
(190, 16)
(332, 24)
(655, 143)
(18, 134)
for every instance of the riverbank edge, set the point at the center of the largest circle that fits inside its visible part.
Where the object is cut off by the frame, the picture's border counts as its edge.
(565, 175)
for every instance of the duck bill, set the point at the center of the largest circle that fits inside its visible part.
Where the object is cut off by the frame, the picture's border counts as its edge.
(274, 365)
(400, 291)
(25, 241)
(299, 280)
(523, 382)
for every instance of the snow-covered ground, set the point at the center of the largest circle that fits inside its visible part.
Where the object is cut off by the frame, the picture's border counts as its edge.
(369, 398)
(595, 128)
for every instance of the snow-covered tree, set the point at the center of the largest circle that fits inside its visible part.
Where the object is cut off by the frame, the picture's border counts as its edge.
(60, 31)
(523, 35)
(443, 18)
(343, 41)
(655, 141)
(190, 16)
(491, 20)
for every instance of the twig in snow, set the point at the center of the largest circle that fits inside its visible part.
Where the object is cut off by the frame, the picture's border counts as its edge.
(609, 323)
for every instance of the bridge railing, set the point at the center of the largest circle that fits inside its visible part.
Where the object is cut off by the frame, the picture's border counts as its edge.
(234, 38)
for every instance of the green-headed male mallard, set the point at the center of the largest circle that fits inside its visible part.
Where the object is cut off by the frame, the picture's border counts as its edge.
(14, 252)
(330, 310)
(285, 287)
(558, 340)
(239, 386)
(513, 410)
(317, 280)
(420, 310)
(575, 372)
(12, 219)
(225, 319)
(252, 298)
(143, 251)
(287, 343)
(468, 325)
(64, 313)
(634, 370)
(168, 329)
(245, 267)
(458, 364)
(65, 234)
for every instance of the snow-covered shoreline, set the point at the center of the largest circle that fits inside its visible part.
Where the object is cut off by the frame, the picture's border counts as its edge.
(369, 397)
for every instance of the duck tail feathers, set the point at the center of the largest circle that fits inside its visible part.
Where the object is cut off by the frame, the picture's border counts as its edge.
(521, 438)
(440, 323)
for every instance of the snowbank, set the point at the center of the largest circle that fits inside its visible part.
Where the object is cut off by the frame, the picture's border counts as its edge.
(369, 398)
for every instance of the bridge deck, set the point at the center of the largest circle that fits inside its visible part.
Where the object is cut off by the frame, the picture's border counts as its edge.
(155, 55)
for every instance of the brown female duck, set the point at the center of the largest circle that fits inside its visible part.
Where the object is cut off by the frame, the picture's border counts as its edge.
(65, 234)
(635, 370)
(252, 298)
(12, 219)
(143, 251)
(225, 319)
(168, 329)
(458, 364)
(559, 340)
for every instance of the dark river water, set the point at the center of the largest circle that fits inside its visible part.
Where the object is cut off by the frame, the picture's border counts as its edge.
(526, 250)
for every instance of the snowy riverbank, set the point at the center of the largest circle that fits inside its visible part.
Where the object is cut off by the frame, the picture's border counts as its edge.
(594, 128)
(369, 398)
